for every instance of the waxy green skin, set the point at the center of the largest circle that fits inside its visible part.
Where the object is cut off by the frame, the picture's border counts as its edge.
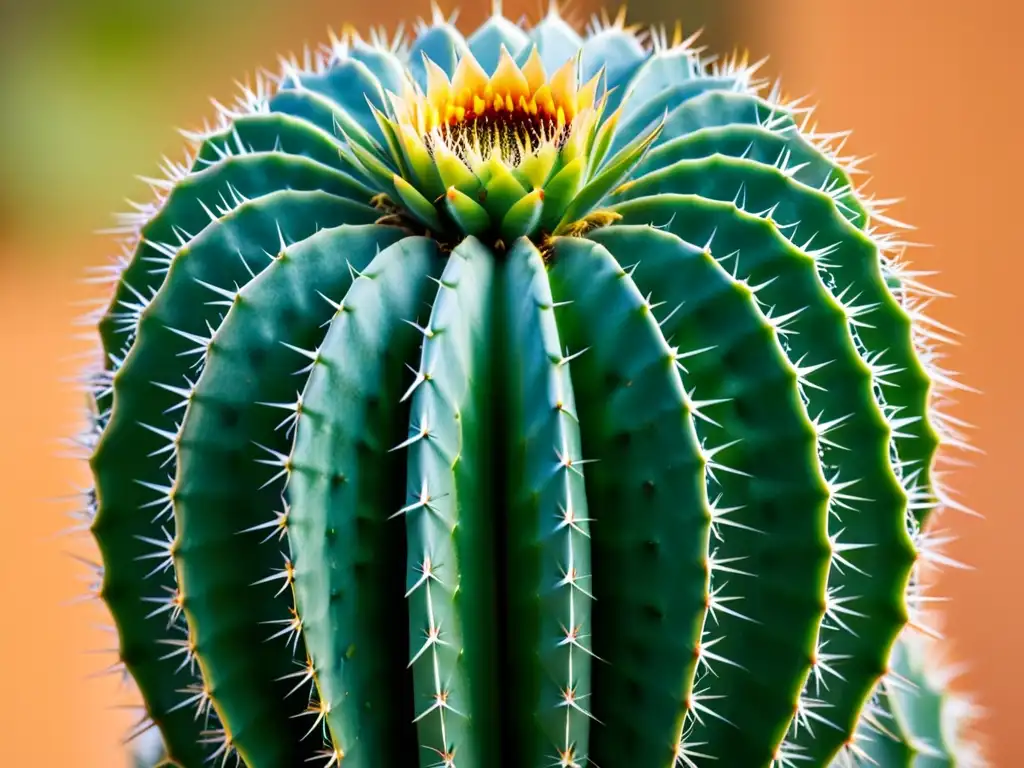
(628, 473)
(918, 719)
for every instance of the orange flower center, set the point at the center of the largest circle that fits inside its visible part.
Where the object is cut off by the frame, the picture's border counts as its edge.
(515, 110)
(515, 133)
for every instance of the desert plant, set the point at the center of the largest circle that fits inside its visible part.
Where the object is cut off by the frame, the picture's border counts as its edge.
(527, 399)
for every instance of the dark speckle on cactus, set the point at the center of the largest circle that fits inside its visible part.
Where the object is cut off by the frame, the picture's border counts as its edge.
(537, 397)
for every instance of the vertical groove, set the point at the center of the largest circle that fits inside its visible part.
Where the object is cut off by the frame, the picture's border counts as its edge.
(509, 754)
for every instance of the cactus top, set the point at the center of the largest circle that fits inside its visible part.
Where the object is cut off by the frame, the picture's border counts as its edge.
(504, 135)
(519, 147)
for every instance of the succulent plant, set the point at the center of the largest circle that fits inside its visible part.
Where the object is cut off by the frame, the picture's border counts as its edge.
(532, 398)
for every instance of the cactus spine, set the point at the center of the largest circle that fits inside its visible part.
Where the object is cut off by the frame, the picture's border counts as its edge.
(532, 398)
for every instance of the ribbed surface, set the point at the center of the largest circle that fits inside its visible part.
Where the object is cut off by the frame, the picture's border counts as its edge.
(645, 496)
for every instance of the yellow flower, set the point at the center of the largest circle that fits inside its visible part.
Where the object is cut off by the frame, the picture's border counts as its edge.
(511, 154)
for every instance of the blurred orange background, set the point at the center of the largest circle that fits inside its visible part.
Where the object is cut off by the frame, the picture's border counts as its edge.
(90, 92)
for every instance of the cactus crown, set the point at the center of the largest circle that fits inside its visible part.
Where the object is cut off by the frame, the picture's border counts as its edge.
(476, 136)
(531, 398)
(497, 155)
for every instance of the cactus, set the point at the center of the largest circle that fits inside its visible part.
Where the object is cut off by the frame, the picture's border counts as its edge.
(541, 397)
(916, 719)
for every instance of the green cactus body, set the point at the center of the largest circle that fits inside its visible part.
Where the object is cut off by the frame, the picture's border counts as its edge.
(531, 398)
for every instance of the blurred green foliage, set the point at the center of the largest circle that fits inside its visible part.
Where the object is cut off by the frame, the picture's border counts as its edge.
(91, 92)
